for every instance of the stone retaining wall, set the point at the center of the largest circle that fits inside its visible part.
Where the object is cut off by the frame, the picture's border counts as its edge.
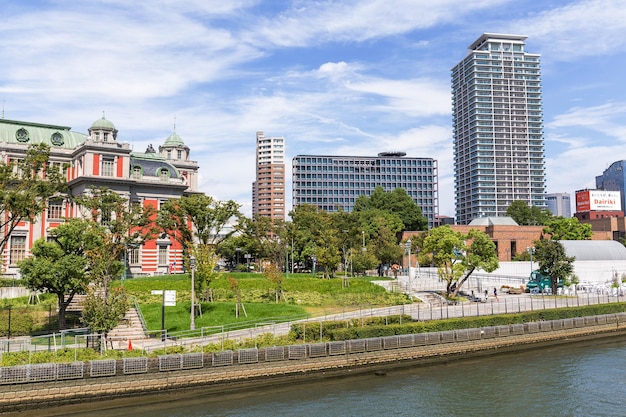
(214, 379)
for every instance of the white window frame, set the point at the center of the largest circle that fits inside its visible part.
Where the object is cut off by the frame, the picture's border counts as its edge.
(17, 251)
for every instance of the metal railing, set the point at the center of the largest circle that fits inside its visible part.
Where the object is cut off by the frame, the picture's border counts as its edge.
(313, 350)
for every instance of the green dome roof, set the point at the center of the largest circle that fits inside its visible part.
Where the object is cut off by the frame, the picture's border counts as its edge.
(102, 124)
(174, 139)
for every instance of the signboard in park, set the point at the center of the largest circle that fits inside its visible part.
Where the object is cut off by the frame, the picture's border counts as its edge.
(169, 297)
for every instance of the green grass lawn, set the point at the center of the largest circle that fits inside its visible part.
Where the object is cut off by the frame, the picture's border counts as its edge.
(304, 295)
(177, 318)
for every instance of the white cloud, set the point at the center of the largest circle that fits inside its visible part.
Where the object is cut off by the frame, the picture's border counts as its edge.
(422, 97)
(316, 22)
(606, 118)
(579, 28)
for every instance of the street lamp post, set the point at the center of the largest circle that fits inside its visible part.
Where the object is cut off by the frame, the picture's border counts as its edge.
(408, 251)
(247, 256)
(363, 234)
(531, 250)
(287, 261)
(192, 266)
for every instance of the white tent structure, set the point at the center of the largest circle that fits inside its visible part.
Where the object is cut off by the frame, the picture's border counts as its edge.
(598, 262)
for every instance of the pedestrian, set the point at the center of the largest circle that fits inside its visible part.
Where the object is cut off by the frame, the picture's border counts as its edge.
(486, 295)
(495, 293)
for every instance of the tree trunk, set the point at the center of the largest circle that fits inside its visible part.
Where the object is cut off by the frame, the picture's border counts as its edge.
(61, 315)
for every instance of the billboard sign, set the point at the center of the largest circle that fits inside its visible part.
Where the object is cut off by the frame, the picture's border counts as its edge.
(599, 200)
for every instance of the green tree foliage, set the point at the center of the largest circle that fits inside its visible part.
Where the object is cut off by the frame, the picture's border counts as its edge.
(277, 277)
(26, 185)
(526, 215)
(458, 255)
(266, 238)
(60, 266)
(199, 216)
(397, 202)
(318, 237)
(101, 313)
(553, 261)
(386, 247)
(104, 306)
(206, 270)
(127, 224)
(567, 229)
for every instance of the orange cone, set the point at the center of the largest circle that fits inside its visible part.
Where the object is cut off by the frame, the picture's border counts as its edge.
(130, 344)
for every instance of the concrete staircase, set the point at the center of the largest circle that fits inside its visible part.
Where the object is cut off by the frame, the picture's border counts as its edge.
(129, 331)
(431, 298)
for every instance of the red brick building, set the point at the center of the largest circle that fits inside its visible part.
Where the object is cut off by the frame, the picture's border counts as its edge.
(99, 159)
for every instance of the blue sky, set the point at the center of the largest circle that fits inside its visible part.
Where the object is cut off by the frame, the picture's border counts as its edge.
(350, 77)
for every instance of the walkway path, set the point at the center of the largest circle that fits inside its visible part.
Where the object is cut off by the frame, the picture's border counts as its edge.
(431, 307)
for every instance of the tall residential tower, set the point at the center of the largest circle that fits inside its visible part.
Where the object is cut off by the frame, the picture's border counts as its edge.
(499, 154)
(268, 191)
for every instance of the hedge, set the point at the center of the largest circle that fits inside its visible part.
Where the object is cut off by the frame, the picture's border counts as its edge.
(397, 325)
(21, 322)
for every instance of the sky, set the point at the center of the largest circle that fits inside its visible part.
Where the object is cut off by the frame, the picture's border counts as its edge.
(344, 77)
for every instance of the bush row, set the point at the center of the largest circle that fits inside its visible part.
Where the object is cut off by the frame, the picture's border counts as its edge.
(396, 325)
(10, 282)
(308, 330)
(21, 323)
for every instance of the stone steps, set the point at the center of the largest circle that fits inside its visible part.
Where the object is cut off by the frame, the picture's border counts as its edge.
(130, 328)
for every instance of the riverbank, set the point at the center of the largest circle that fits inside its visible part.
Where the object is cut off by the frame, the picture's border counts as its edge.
(61, 397)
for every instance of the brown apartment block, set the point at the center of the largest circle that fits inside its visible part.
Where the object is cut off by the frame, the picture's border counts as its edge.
(512, 239)
(268, 191)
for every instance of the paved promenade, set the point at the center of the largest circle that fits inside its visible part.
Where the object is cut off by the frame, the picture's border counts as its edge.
(428, 305)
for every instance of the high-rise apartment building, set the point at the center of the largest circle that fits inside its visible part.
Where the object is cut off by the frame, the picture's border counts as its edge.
(335, 182)
(268, 191)
(559, 204)
(499, 154)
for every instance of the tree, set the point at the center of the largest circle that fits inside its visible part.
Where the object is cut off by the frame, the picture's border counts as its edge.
(206, 271)
(317, 237)
(266, 238)
(276, 276)
(122, 219)
(201, 216)
(397, 202)
(526, 215)
(553, 261)
(59, 266)
(455, 259)
(102, 313)
(567, 229)
(26, 186)
(104, 306)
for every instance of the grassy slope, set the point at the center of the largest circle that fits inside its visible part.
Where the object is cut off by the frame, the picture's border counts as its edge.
(304, 295)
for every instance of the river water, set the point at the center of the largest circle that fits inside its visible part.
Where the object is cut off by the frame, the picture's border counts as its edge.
(579, 379)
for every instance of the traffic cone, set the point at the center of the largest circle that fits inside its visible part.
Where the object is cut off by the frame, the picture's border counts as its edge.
(130, 344)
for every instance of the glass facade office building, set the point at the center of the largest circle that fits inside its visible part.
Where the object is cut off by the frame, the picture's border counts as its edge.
(614, 179)
(499, 154)
(335, 182)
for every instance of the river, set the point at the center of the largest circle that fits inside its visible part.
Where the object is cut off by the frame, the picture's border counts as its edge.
(578, 379)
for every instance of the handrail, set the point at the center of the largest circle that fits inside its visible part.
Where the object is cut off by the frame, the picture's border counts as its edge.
(142, 320)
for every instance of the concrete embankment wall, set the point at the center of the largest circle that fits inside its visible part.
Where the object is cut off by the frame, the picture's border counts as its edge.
(220, 379)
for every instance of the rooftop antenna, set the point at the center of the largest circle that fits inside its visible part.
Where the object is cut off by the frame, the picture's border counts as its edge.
(3, 108)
